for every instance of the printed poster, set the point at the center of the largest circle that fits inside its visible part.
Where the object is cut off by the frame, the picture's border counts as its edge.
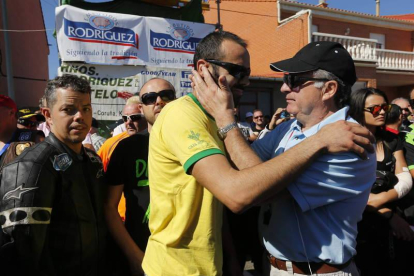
(120, 39)
(113, 85)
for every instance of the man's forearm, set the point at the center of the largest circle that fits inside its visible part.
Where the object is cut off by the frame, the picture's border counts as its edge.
(121, 235)
(239, 190)
(273, 176)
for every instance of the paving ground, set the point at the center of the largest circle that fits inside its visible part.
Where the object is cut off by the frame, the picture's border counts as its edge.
(249, 270)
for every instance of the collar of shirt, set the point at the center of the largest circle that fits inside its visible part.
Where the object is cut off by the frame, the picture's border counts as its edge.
(341, 114)
(392, 130)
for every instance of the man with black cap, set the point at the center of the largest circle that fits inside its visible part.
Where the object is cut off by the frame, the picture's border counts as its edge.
(13, 140)
(310, 226)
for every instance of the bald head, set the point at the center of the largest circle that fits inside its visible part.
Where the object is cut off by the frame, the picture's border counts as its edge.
(152, 108)
(155, 82)
(405, 106)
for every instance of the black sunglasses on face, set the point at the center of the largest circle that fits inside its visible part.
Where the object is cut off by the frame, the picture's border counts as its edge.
(294, 81)
(407, 110)
(376, 109)
(132, 117)
(151, 97)
(237, 71)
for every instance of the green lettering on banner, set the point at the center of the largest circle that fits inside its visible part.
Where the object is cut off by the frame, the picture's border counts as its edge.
(128, 82)
(98, 93)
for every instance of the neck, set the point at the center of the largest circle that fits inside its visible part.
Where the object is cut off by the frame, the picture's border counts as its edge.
(372, 129)
(259, 127)
(77, 148)
(394, 126)
(149, 128)
(314, 118)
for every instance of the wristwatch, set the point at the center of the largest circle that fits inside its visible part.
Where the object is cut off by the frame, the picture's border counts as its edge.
(222, 132)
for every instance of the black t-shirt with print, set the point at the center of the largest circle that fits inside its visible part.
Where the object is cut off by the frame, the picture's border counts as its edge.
(128, 166)
(392, 143)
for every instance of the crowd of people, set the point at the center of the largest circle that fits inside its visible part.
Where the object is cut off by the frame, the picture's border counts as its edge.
(323, 187)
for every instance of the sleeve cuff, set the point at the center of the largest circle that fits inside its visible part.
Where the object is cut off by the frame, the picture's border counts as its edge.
(200, 155)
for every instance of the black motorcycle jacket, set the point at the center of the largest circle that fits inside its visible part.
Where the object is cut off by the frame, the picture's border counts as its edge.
(51, 212)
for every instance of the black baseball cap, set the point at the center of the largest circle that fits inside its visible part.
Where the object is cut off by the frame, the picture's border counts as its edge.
(325, 55)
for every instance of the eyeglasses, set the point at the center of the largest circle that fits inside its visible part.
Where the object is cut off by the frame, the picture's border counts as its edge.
(151, 97)
(237, 71)
(376, 109)
(132, 117)
(294, 81)
(257, 117)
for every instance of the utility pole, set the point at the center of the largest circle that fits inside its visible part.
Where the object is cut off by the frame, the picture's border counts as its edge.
(378, 7)
(218, 25)
(8, 54)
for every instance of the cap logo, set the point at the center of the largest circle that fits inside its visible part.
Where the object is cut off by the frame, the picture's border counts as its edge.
(336, 51)
(317, 45)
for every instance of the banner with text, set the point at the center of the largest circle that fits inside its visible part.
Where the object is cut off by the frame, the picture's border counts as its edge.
(120, 39)
(113, 85)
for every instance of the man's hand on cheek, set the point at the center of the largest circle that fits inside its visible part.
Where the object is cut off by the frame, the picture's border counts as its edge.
(217, 99)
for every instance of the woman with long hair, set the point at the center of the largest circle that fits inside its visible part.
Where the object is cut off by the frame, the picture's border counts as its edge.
(380, 222)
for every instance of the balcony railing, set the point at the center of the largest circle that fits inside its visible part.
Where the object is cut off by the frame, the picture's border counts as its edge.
(362, 49)
(395, 60)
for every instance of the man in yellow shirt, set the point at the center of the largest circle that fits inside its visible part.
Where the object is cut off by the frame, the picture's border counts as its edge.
(190, 177)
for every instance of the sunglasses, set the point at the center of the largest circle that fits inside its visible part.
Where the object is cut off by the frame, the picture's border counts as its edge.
(132, 117)
(294, 81)
(257, 117)
(407, 110)
(237, 71)
(151, 97)
(376, 109)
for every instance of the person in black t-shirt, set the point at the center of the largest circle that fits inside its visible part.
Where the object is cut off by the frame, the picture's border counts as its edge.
(381, 227)
(128, 172)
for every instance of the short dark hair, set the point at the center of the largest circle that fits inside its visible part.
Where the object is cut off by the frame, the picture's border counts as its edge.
(393, 114)
(209, 46)
(66, 81)
(357, 102)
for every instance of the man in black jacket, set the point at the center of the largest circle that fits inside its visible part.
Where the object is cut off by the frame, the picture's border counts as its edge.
(51, 196)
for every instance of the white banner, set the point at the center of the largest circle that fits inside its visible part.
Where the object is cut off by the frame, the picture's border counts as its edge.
(113, 85)
(120, 39)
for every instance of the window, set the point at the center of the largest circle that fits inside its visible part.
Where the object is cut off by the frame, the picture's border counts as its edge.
(380, 38)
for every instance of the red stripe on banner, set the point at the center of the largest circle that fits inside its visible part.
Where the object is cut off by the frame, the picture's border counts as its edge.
(101, 41)
(124, 57)
(171, 50)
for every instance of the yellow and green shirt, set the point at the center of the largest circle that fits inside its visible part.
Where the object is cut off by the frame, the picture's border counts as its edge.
(185, 219)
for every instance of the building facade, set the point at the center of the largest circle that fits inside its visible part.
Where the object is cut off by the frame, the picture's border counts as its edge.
(382, 47)
(28, 51)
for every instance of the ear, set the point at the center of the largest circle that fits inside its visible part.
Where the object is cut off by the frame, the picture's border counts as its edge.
(201, 62)
(46, 112)
(329, 90)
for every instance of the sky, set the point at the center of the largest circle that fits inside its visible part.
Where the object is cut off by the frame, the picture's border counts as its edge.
(388, 7)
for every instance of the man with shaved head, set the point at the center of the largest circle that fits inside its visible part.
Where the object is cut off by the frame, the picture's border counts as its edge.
(131, 157)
